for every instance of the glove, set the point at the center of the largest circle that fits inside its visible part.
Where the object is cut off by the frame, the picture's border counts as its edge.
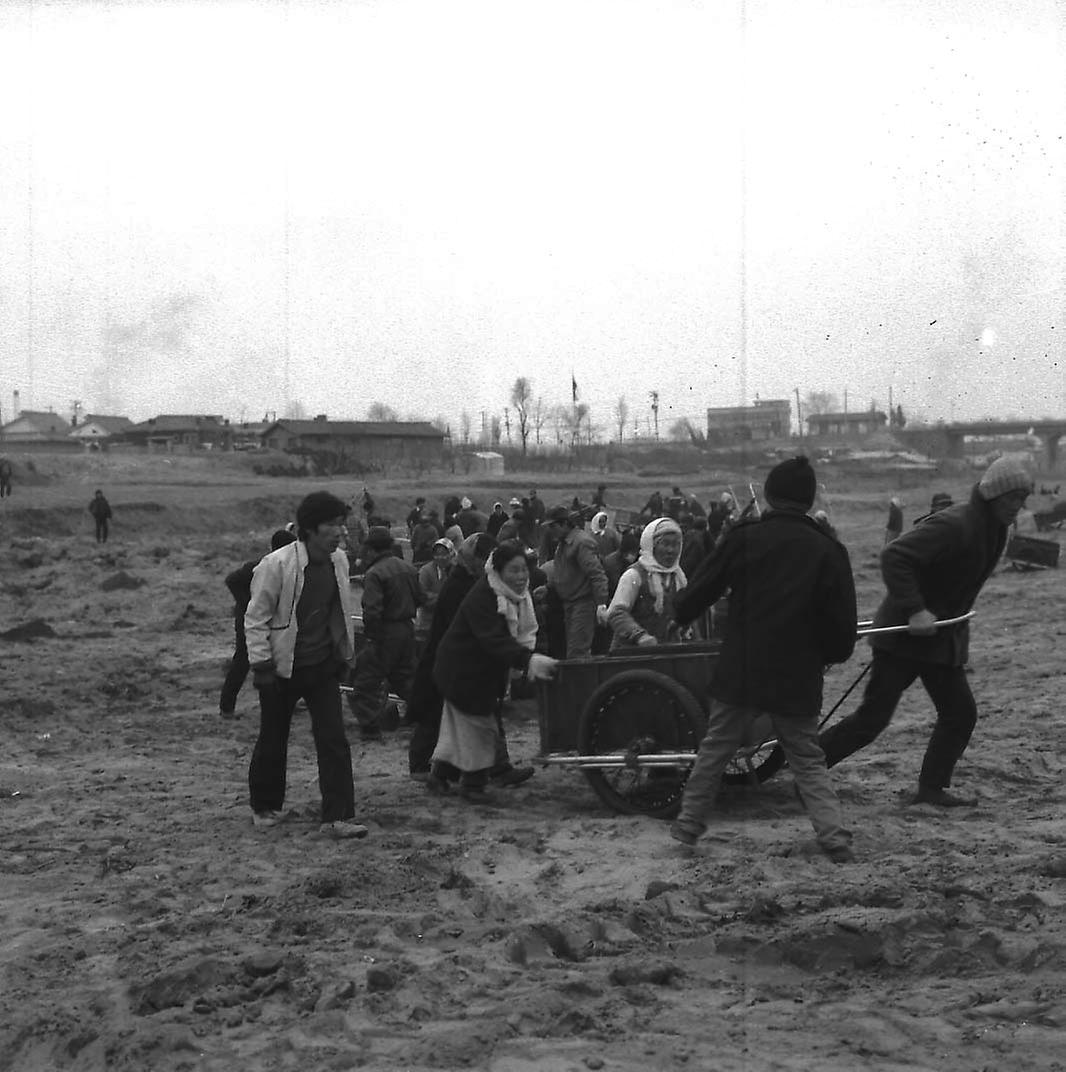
(601, 614)
(922, 623)
(263, 677)
(541, 667)
(647, 641)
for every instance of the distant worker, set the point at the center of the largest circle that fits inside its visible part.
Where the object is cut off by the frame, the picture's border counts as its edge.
(391, 598)
(578, 579)
(239, 582)
(100, 508)
(935, 571)
(940, 501)
(894, 525)
(6, 472)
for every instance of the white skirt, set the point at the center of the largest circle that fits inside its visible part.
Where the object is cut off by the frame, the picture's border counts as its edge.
(466, 741)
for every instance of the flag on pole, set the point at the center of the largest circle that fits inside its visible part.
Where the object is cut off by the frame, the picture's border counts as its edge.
(573, 386)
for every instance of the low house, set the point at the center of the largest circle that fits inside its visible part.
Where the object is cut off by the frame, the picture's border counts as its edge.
(35, 430)
(846, 425)
(368, 442)
(169, 432)
(97, 432)
(247, 435)
(769, 418)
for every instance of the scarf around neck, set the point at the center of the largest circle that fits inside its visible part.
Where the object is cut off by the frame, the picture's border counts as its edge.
(517, 610)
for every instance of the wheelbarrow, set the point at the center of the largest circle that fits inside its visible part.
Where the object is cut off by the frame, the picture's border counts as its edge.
(632, 722)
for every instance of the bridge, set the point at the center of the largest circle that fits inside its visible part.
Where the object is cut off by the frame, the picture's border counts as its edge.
(952, 437)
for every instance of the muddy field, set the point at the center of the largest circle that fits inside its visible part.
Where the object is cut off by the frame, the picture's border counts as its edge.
(148, 926)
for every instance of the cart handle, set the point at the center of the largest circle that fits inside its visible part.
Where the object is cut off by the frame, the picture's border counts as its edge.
(881, 630)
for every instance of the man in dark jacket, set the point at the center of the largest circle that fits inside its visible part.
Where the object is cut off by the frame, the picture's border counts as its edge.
(239, 582)
(100, 508)
(391, 598)
(578, 579)
(934, 571)
(791, 611)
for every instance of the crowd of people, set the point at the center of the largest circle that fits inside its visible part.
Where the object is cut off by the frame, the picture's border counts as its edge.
(491, 601)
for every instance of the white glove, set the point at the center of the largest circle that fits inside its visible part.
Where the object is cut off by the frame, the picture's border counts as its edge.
(601, 614)
(647, 641)
(541, 667)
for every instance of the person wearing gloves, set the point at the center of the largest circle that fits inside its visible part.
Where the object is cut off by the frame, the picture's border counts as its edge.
(933, 571)
(578, 579)
(493, 632)
(299, 632)
(642, 610)
(791, 612)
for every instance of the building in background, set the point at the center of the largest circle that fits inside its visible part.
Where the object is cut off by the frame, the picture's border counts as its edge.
(99, 432)
(769, 419)
(171, 432)
(846, 425)
(34, 430)
(370, 443)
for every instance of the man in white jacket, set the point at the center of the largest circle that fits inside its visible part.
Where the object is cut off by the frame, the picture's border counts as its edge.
(300, 643)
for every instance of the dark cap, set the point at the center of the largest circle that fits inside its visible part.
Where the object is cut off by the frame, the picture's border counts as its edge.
(318, 507)
(792, 482)
(379, 538)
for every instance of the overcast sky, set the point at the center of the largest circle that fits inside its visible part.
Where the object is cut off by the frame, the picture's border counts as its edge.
(238, 207)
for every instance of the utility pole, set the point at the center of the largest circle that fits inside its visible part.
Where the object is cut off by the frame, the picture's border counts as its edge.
(655, 411)
(799, 413)
(75, 410)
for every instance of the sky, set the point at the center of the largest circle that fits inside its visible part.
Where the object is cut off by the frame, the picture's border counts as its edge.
(309, 207)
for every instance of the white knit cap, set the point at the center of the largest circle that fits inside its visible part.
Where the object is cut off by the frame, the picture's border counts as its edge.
(1002, 476)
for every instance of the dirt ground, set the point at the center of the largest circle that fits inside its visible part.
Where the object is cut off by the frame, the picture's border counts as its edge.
(147, 926)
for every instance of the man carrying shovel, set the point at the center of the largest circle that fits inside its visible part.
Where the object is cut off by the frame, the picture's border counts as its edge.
(934, 571)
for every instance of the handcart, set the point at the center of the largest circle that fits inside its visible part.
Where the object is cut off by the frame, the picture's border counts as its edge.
(632, 722)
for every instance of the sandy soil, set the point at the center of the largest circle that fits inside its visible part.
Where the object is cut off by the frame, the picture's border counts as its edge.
(147, 925)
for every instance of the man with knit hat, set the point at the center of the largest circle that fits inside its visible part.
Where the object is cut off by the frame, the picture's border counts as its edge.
(791, 612)
(299, 633)
(931, 572)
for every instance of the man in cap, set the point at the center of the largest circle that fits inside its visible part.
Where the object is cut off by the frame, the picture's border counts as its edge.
(391, 598)
(578, 579)
(299, 632)
(791, 612)
(934, 571)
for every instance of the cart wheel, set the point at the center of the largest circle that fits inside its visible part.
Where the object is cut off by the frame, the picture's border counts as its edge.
(639, 712)
(762, 764)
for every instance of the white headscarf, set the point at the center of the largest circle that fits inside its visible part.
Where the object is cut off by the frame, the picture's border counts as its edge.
(656, 572)
(599, 523)
(517, 610)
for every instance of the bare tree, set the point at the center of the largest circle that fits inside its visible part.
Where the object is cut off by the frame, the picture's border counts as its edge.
(655, 411)
(295, 410)
(378, 411)
(821, 402)
(621, 415)
(496, 430)
(465, 424)
(540, 416)
(521, 396)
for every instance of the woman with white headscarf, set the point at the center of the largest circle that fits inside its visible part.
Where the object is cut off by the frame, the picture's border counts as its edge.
(642, 610)
(606, 537)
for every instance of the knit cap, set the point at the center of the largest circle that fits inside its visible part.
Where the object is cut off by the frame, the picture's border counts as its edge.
(1002, 476)
(791, 482)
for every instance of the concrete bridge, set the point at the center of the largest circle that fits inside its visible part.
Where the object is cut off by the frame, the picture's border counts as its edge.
(948, 440)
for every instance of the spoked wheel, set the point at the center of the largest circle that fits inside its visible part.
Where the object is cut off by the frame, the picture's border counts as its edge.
(640, 712)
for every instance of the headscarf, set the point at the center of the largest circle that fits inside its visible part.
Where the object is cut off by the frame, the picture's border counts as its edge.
(517, 610)
(467, 558)
(656, 572)
(599, 523)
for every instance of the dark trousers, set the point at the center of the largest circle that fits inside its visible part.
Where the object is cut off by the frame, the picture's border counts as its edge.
(385, 663)
(101, 530)
(890, 677)
(5, 488)
(319, 688)
(237, 672)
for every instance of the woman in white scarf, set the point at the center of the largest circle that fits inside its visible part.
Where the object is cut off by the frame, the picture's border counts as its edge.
(474, 660)
(642, 610)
